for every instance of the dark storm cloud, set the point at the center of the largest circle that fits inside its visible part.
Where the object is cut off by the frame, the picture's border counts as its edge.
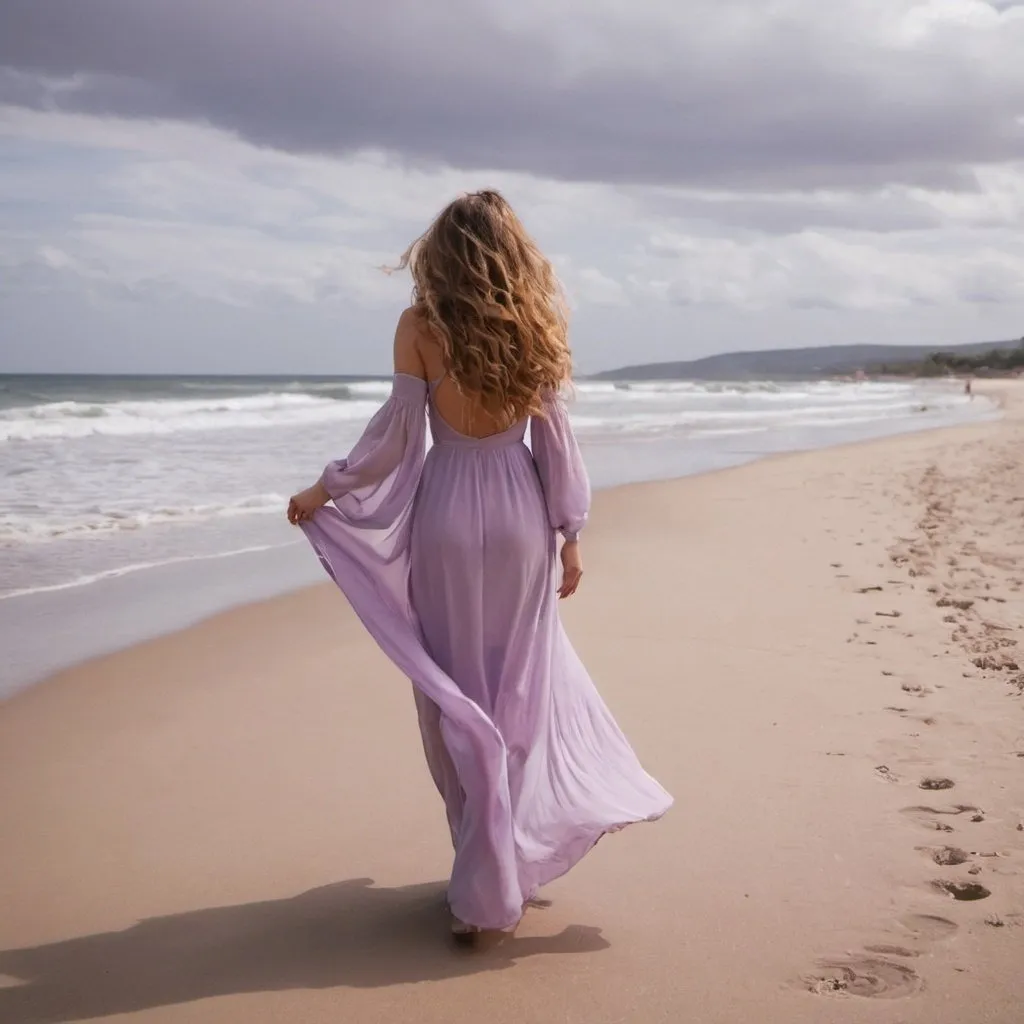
(443, 82)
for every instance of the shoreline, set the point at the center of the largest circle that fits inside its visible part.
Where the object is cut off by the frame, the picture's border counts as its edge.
(276, 573)
(216, 809)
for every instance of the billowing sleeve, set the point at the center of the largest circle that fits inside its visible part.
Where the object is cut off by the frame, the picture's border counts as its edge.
(375, 485)
(563, 476)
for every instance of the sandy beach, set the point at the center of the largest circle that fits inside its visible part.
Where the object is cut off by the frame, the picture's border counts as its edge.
(816, 654)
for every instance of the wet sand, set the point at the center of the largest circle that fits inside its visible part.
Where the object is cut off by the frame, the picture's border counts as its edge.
(816, 654)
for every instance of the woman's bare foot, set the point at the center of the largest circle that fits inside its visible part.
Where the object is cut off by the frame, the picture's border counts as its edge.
(458, 927)
(461, 929)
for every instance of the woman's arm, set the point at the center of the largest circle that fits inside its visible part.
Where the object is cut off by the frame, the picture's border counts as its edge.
(563, 475)
(565, 484)
(409, 338)
(381, 448)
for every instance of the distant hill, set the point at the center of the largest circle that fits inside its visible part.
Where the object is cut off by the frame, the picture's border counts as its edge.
(788, 363)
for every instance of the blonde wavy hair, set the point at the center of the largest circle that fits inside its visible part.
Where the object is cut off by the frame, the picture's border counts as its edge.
(493, 302)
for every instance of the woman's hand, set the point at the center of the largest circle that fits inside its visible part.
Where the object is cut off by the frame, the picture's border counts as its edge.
(572, 568)
(301, 506)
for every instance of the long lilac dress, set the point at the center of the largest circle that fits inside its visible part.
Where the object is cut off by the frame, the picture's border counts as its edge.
(449, 560)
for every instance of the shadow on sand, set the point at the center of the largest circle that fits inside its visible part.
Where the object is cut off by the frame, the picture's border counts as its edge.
(347, 934)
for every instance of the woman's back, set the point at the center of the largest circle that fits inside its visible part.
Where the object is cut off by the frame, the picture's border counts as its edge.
(462, 412)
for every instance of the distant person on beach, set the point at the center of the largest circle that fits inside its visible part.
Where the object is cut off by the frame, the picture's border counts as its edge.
(449, 559)
(967, 388)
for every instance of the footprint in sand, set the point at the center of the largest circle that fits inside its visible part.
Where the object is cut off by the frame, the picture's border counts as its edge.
(928, 817)
(946, 856)
(930, 927)
(997, 921)
(961, 890)
(886, 950)
(872, 977)
(936, 782)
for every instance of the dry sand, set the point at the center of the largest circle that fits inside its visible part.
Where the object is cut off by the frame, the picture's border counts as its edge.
(235, 823)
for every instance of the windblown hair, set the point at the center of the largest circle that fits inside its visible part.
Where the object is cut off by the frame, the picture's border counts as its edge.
(493, 302)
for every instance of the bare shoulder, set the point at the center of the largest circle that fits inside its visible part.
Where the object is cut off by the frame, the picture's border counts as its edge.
(409, 336)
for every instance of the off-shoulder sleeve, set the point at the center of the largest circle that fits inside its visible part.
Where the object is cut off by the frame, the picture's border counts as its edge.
(563, 476)
(378, 480)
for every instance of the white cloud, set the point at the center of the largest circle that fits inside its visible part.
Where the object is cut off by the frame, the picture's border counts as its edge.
(229, 264)
(220, 218)
(125, 211)
(847, 270)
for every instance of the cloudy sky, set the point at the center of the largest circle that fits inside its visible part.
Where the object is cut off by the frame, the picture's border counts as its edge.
(196, 186)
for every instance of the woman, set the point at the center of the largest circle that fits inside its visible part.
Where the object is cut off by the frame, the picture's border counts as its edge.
(449, 562)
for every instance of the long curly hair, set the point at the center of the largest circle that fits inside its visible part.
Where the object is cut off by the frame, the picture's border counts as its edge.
(493, 302)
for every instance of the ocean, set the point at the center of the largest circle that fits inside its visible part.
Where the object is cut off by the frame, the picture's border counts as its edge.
(134, 505)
